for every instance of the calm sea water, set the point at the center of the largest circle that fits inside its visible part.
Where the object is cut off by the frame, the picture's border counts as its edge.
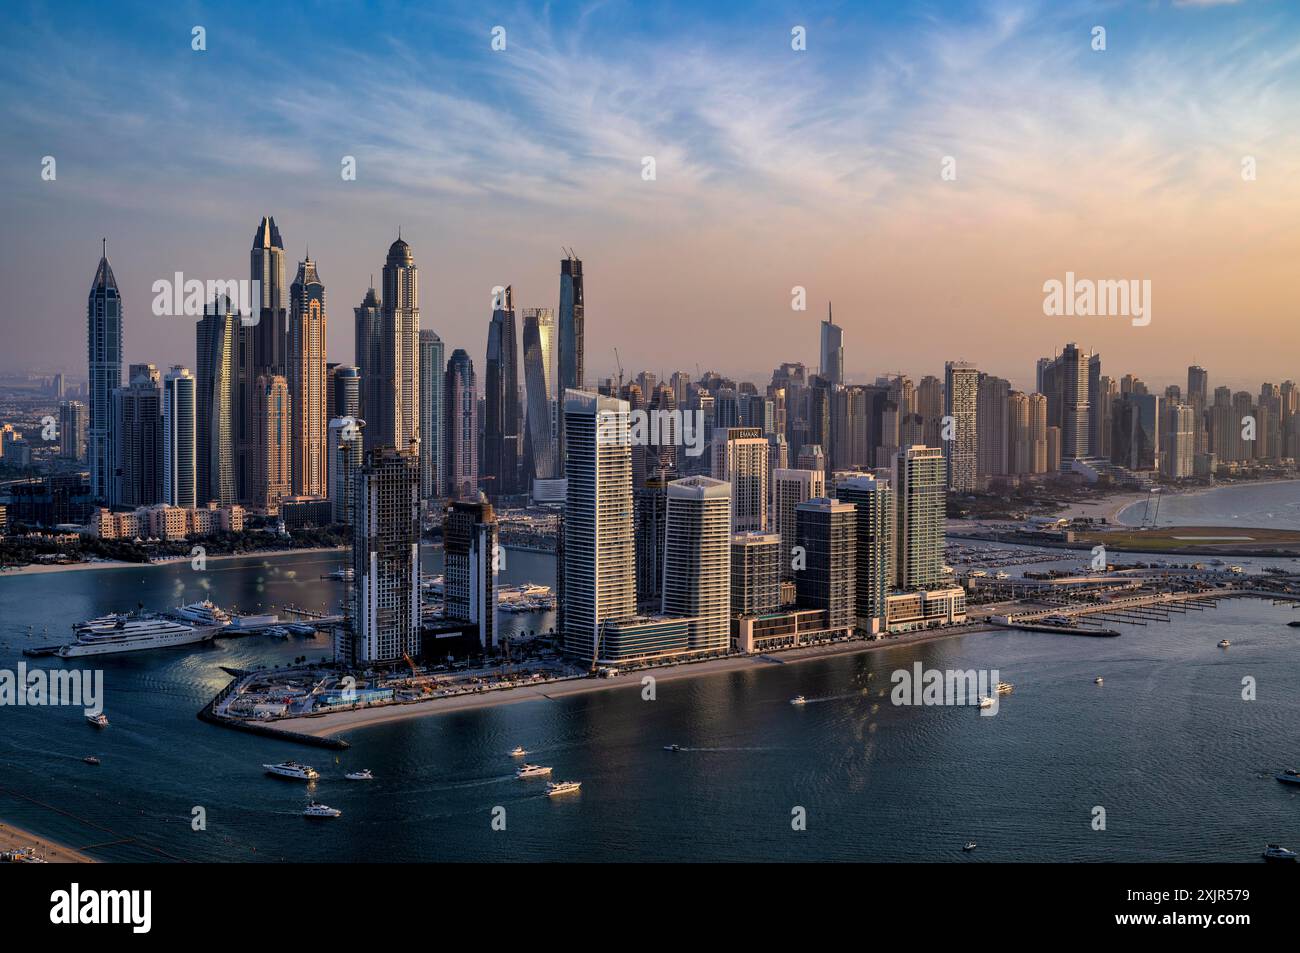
(1273, 504)
(1180, 763)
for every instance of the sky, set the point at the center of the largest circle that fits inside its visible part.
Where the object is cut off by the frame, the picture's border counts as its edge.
(829, 168)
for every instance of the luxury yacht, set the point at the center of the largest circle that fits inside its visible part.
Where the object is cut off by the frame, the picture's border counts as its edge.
(114, 634)
(292, 770)
(1005, 688)
(321, 810)
(362, 775)
(562, 787)
(203, 613)
(532, 771)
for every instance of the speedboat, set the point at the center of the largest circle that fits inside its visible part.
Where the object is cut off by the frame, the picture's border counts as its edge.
(99, 720)
(672, 747)
(1277, 854)
(798, 700)
(1289, 776)
(90, 759)
(969, 845)
(292, 770)
(517, 751)
(1224, 643)
(362, 775)
(321, 810)
(1005, 688)
(1098, 680)
(533, 771)
(562, 787)
(986, 702)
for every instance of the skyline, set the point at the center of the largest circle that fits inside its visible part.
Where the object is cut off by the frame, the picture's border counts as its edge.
(747, 148)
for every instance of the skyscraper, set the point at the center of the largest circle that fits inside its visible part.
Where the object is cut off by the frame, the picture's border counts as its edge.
(271, 481)
(740, 458)
(571, 341)
(104, 354)
(306, 378)
(136, 457)
(469, 533)
(919, 514)
(961, 406)
(216, 364)
(499, 467)
(260, 352)
(180, 474)
(598, 563)
(755, 573)
(386, 557)
(790, 488)
(395, 420)
(697, 560)
(344, 399)
(832, 350)
(460, 405)
(874, 500)
(370, 358)
(827, 531)
(74, 422)
(993, 428)
(346, 455)
(432, 425)
(539, 381)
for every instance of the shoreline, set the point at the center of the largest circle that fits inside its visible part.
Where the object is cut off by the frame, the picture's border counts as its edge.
(38, 569)
(324, 726)
(12, 837)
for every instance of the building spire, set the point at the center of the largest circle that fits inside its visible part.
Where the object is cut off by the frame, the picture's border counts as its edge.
(103, 248)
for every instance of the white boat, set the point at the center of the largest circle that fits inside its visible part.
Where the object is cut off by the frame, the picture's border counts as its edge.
(969, 845)
(798, 700)
(986, 701)
(517, 751)
(1277, 854)
(203, 613)
(1224, 643)
(299, 628)
(292, 770)
(672, 747)
(532, 771)
(1098, 680)
(1002, 575)
(127, 634)
(99, 720)
(1005, 688)
(362, 775)
(250, 622)
(321, 810)
(276, 632)
(562, 787)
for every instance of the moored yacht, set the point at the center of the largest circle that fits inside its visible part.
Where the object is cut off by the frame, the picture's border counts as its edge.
(132, 634)
(203, 613)
(292, 770)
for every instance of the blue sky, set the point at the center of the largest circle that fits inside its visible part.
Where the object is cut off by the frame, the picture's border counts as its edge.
(774, 168)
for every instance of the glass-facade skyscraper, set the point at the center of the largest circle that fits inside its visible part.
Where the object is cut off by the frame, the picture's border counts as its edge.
(104, 354)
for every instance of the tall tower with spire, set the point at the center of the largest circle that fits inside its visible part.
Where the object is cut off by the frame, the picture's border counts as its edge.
(261, 353)
(832, 367)
(396, 421)
(104, 353)
(306, 379)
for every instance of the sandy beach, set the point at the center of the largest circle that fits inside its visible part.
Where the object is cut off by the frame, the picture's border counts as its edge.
(34, 569)
(324, 726)
(14, 837)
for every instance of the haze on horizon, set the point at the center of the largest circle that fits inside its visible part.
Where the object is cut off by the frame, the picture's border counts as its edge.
(774, 168)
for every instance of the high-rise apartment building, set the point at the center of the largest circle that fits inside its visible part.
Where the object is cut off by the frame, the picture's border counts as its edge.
(470, 534)
(832, 350)
(755, 573)
(306, 379)
(499, 467)
(216, 365)
(697, 560)
(272, 477)
(740, 458)
(539, 386)
(74, 424)
(137, 452)
(789, 489)
(104, 353)
(180, 472)
(827, 531)
(369, 334)
(460, 407)
(961, 408)
(919, 513)
(874, 556)
(598, 566)
(433, 394)
(261, 352)
(346, 456)
(385, 613)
